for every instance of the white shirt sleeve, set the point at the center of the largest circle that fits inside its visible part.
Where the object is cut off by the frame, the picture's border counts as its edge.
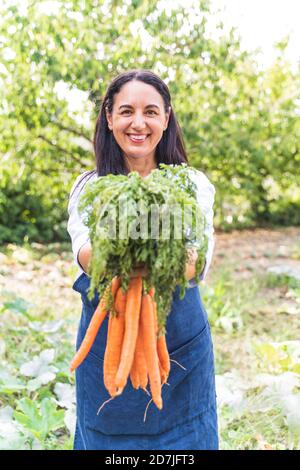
(79, 233)
(205, 197)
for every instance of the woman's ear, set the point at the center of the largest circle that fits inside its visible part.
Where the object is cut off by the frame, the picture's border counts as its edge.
(108, 118)
(167, 118)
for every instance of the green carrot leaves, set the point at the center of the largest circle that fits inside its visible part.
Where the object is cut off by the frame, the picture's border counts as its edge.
(150, 220)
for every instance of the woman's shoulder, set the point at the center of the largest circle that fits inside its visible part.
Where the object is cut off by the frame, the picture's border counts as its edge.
(81, 180)
(85, 176)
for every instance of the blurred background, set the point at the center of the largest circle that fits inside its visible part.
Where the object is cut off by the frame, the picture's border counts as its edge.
(233, 71)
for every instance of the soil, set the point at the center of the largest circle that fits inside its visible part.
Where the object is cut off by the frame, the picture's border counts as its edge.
(257, 250)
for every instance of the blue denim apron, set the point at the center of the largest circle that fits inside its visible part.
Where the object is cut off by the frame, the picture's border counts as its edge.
(188, 420)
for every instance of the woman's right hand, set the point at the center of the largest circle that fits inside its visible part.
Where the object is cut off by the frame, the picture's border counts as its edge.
(84, 257)
(139, 271)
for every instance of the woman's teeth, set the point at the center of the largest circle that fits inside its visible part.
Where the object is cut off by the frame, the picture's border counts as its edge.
(137, 138)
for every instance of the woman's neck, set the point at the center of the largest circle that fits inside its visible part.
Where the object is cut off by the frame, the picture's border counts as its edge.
(143, 166)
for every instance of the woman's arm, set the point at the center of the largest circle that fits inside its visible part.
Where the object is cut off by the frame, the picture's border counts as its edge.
(205, 197)
(78, 231)
(190, 267)
(84, 256)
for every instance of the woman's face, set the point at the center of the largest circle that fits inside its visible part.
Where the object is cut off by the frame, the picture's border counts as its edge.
(138, 119)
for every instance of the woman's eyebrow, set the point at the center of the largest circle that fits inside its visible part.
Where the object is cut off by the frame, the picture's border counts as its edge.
(129, 106)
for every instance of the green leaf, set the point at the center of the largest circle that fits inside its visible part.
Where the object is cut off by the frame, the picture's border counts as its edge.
(12, 435)
(10, 384)
(39, 368)
(54, 417)
(18, 305)
(40, 420)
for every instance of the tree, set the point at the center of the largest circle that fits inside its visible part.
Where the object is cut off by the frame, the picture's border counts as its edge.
(222, 102)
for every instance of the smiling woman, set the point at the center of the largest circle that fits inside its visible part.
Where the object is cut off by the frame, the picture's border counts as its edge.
(138, 120)
(136, 130)
(137, 103)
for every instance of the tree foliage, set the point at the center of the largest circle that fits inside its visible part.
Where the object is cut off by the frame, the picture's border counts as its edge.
(241, 124)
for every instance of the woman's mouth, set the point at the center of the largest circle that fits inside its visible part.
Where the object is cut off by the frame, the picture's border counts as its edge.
(137, 138)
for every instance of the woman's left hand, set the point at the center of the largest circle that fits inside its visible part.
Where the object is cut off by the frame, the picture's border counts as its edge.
(192, 255)
(190, 269)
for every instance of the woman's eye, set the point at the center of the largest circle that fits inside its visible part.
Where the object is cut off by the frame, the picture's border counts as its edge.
(128, 111)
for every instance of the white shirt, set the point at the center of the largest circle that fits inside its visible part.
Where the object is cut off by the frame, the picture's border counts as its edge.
(79, 232)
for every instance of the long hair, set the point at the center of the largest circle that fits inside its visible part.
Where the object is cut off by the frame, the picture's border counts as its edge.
(108, 154)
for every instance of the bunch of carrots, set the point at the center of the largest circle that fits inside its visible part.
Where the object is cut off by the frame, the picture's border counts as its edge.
(134, 346)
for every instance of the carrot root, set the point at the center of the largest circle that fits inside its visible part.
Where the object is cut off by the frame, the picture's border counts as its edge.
(146, 410)
(103, 404)
(173, 360)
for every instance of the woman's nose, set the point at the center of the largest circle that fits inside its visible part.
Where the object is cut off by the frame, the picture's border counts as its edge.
(138, 120)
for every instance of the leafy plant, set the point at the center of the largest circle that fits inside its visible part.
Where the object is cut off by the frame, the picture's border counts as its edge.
(16, 305)
(39, 368)
(13, 436)
(118, 211)
(224, 310)
(273, 280)
(39, 419)
(253, 161)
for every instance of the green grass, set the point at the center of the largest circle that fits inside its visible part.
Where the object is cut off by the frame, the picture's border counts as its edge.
(295, 250)
(279, 280)
(36, 346)
(252, 341)
(255, 328)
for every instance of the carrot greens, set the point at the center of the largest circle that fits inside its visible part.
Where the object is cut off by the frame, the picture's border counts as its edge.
(150, 220)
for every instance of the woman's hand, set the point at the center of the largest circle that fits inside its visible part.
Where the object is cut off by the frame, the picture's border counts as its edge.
(190, 268)
(84, 257)
(139, 270)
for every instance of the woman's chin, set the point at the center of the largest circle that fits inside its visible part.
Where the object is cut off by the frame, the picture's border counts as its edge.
(137, 155)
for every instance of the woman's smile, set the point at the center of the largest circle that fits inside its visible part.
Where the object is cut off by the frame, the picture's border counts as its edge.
(138, 139)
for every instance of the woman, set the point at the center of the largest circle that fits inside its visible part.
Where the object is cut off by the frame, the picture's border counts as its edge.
(135, 131)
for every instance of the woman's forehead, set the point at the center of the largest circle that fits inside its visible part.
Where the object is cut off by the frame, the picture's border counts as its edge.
(136, 93)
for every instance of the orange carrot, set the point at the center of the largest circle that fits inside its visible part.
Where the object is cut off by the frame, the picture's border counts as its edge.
(163, 355)
(152, 292)
(141, 361)
(149, 340)
(163, 374)
(115, 284)
(134, 373)
(105, 362)
(132, 313)
(139, 372)
(154, 306)
(120, 301)
(162, 350)
(95, 324)
(114, 343)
